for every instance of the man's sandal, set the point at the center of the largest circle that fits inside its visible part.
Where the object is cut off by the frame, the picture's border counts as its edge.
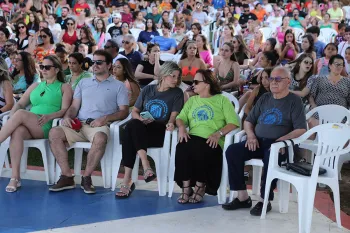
(194, 199)
(126, 194)
(150, 176)
(12, 189)
(181, 199)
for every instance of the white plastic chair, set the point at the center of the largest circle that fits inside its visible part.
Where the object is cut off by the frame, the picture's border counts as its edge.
(167, 57)
(41, 144)
(160, 32)
(106, 161)
(257, 165)
(267, 32)
(327, 34)
(135, 32)
(233, 99)
(159, 155)
(331, 140)
(326, 114)
(298, 33)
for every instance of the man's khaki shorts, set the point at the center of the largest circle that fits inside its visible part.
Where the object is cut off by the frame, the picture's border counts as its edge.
(85, 134)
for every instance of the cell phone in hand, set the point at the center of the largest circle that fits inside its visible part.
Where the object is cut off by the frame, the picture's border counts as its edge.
(146, 115)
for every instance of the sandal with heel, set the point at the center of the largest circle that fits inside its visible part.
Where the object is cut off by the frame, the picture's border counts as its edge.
(149, 177)
(181, 199)
(12, 189)
(195, 200)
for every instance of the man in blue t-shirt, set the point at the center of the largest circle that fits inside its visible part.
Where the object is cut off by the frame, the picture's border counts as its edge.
(166, 44)
(314, 31)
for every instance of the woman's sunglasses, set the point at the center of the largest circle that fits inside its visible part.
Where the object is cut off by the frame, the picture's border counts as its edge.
(196, 82)
(47, 67)
(21, 27)
(43, 36)
(125, 42)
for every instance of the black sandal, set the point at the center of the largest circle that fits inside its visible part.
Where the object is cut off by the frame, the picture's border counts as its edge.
(181, 198)
(126, 195)
(194, 199)
(149, 178)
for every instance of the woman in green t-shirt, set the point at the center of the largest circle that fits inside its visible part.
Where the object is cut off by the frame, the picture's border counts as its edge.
(209, 116)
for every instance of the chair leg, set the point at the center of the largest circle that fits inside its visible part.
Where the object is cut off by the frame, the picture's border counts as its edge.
(78, 159)
(3, 158)
(257, 170)
(336, 198)
(222, 191)
(164, 164)
(135, 170)
(233, 195)
(44, 155)
(116, 161)
(24, 160)
(283, 191)
(51, 164)
(171, 171)
(266, 196)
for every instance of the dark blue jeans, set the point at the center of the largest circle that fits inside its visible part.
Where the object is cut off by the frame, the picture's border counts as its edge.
(237, 154)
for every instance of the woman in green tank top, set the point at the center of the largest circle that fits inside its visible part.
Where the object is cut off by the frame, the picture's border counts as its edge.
(49, 100)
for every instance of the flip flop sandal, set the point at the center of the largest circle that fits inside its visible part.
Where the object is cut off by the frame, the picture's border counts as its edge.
(181, 199)
(149, 178)
(126, 195)
(12, 189)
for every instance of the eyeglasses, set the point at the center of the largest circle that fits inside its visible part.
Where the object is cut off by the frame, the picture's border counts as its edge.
(125, 42)
(276, 79)
(17, 60)
(307, 62)
(47, 67)
(338, 64)
(125, 26)
(246, 10)
(43, 36)
(21, 27)
(70, 24)
(196, 82)
(72, 63)
(97, 62)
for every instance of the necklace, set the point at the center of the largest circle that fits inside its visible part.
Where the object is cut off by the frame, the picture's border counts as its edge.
(190, 66)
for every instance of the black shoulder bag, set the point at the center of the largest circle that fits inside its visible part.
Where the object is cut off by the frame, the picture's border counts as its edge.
(302, 168)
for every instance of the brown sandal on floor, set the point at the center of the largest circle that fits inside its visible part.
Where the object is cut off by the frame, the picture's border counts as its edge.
(194, 199)
(182, 196)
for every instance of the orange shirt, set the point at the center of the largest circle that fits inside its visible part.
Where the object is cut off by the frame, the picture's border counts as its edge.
(259, 14)
(164, 7)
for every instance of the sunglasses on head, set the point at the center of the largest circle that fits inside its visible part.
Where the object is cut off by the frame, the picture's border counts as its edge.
(125, 42)
(196, 82)
(97, 62)
(276, 79)
(47, 67)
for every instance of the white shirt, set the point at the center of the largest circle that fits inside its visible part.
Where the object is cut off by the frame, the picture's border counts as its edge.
(274, 22)
(268, 8)
(56, 31)
(342, 47)
(118, 56)
(201, 17)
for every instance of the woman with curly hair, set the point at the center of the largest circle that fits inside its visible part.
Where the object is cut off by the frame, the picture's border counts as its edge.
(87, 39)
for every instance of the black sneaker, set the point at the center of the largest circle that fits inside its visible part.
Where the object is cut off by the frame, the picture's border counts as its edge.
(86, 185)
(256, 211)
(237, 204)
(64, 183)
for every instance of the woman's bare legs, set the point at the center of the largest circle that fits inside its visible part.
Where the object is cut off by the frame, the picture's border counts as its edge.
(27, 129)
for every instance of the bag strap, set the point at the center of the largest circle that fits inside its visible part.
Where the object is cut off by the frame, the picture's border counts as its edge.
(286, 146)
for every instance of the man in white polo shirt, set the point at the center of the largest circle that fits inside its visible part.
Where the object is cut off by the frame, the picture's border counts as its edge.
(96, 102)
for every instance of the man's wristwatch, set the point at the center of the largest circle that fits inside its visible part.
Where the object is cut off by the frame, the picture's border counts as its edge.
(221, 133)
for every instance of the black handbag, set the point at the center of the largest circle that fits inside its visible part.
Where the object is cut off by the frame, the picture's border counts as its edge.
(302, 168)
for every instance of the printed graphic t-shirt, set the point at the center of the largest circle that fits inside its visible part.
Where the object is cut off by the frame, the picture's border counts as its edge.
(160, 104)
(274, 118)
(205, 116)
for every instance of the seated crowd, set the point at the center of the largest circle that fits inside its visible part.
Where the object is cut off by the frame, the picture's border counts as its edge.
(95, 64)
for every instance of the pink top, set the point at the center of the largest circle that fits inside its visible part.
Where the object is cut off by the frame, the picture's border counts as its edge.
(280, 35)
(322, 62)
(290, 54)
(207, 57)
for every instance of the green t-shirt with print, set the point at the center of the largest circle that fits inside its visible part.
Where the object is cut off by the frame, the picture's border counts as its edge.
(205, 116)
